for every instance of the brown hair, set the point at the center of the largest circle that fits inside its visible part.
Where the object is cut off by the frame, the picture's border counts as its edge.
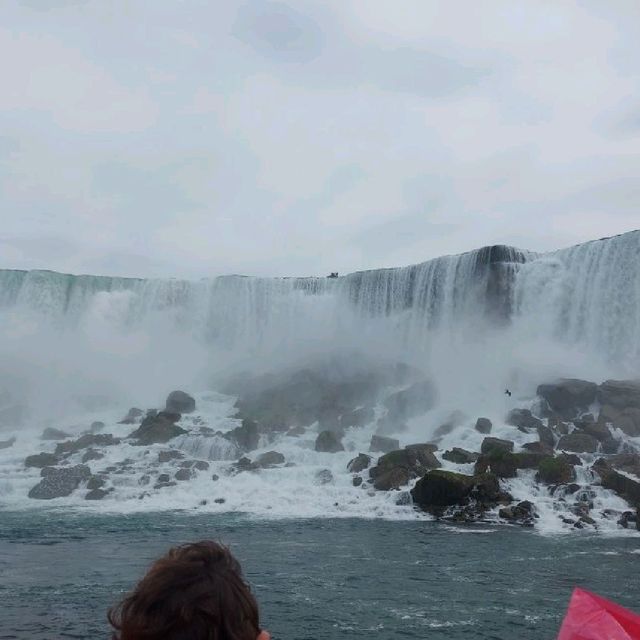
(194, 592)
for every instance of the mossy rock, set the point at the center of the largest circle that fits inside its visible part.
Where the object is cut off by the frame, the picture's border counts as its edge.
(555, 471)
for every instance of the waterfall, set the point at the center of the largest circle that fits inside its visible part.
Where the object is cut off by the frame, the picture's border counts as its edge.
(466, 317)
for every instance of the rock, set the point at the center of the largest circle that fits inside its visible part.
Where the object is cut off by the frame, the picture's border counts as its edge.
(219, 500)
(523, 419)
(413, 401)
(538, 447)
(270, 459)
(95, 482)
(546, 437)
(570, 458)
(610, 446)
(460, 456)
(215, 477)
(439, 489)
(244, 464)
(490, 444)
(359, 463)
(523, 513)
(357, 481)
(628, 517)
(396, 468)
(598, 430)
(383, 444)
(328, 442)
(483, 425)
(246, 437)
(626, 462)
(296, 432)
(324, 476)
(180, 402)
(169, 454)
(58, 482)
(625, 487)
(357, 418)
(404, 499)
(157, 429)
(133, 415)
(558, 427)
(627, 420)
(92, 454)
(164, 477)
(41, 460)
(97, 494)
(96, 426)
(85, 441)
(392, 479)
(201, 465)
(555, 471)
(54, 434)
(578, 443)
(500, 462)
(620, 394)
(184, 474)
(569, 396)
(5, 444)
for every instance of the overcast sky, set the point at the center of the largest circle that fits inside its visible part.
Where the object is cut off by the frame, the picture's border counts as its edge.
(193, 138)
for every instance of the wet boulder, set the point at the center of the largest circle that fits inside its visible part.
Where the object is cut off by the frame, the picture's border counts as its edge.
(180, 402)
(568, 397)
(522, 513)
(97, 494)
(523, 419)
(270, 459)
(246, 437)
(440, 489)
(185, 473)
(359, 463)
(54, 434)
(169, 454)
(157, 429)
(578, 442)
(460, 456)
(41, 460)
(538, 447)
(546, 437)
(620, 394)
(133, 415)
(396, 468)
(86, 441)
(328, 442)
(618, 481)
(58, 482)
(555, 471)
(92, 454)
(323, 476)
(382, 444)
(483, 425)
(499, 462)
(627, 420)
(490, 444)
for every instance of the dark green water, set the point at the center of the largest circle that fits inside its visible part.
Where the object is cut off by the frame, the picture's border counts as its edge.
(315, 579)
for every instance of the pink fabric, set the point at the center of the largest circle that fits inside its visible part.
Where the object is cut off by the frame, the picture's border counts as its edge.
(591, 617)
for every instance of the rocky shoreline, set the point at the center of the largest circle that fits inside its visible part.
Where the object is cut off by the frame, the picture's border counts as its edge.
(581, 437)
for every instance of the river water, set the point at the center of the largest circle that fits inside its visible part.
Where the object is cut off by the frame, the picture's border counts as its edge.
(315, 579)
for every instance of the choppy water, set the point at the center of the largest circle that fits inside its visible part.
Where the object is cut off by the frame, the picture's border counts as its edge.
(315, 579)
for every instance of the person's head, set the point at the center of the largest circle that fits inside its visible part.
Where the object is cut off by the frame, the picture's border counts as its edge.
(194, 592)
